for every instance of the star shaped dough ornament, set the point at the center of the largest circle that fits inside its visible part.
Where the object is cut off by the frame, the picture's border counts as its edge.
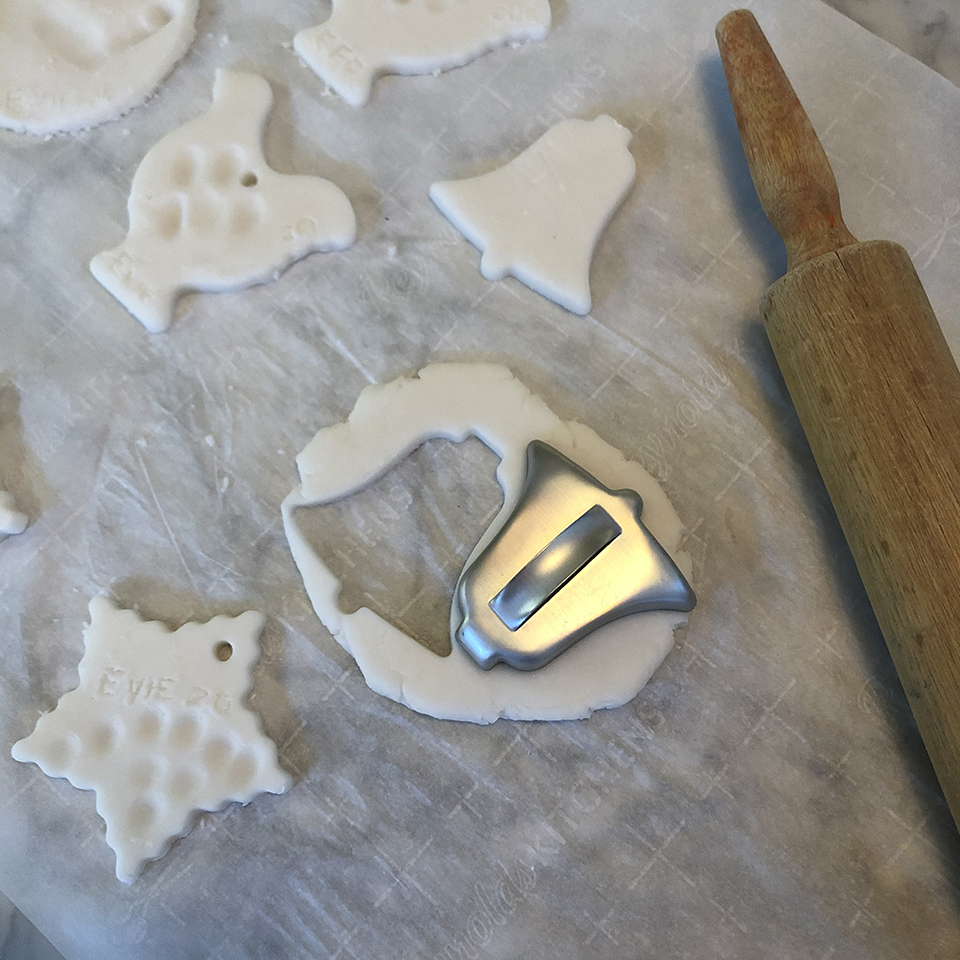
(157, 728)
(208, 214)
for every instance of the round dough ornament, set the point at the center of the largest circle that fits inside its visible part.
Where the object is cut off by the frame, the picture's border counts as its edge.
(72, 64)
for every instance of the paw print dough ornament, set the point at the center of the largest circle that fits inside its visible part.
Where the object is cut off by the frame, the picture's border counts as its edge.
(157, 728)
(454, 401)
(207, 213)
(11, 520)
(364, 39)
(72, 64)
(539, 217)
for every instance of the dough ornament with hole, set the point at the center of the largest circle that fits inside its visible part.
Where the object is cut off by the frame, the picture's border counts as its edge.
(207, 213)
(539, 217)
(12, 521)
(455, 401)
(72, 64)
(158, 728)
(364, 39)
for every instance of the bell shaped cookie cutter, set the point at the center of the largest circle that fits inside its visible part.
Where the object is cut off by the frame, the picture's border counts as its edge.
(572, 556)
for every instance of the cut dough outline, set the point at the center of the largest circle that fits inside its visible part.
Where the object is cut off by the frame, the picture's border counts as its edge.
(69, 66)
(208, 214)
(454, 401)
(158, 727)
(539, 217)
(363, 40)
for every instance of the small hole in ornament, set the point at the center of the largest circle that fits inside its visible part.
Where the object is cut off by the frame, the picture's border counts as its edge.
(223, 651)
(249, 179)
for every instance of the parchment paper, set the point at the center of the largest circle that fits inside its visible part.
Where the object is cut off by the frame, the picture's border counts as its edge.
(766, 796)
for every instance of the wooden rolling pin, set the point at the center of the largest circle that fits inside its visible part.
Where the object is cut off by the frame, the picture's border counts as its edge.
(875, 386)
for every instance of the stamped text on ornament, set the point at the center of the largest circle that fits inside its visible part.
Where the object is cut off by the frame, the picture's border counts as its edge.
(117, 682)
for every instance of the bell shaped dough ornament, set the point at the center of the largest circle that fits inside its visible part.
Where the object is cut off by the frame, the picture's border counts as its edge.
(208, 214)
(539, 217)
(364, 39)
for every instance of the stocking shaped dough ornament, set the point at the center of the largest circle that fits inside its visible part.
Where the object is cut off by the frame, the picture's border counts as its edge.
(539, 217)
(363, 39)
(207, 213)
(157, 727)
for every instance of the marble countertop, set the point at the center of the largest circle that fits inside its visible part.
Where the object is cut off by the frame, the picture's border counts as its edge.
(928, 30)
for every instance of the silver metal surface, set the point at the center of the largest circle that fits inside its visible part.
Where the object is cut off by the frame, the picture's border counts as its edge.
(572, 556)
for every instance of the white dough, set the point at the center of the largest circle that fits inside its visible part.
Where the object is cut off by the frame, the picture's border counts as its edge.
(71, 64)
(455, 401)
(11, 520)
(539, 217)
(364, 39)
(157, 728)
(207, 213)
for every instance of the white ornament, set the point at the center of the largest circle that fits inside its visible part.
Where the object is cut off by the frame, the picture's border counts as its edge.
(157, 728)
(455, 401)
(207, 213)
(539, 218)
(364, 39)
(71, 64)
(11, 520)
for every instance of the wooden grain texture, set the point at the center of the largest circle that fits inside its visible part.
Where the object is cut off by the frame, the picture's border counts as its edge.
(796, 186)
(878, 394)
(876, 389)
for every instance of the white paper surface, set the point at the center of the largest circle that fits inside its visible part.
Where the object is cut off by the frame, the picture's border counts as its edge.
(766, 795)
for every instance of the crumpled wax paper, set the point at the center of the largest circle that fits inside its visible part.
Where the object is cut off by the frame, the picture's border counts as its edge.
(766, 796)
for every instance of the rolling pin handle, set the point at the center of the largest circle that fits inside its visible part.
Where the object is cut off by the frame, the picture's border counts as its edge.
(790, 170)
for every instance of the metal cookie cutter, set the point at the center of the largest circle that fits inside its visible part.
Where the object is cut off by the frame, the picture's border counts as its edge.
(572, 556)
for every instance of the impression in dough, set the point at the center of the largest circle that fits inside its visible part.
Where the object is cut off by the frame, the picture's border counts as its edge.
(11, 520)
(454, 401)
(207, 213)
(157, 728)
(539, 217)
(364, 39)
(71, 64)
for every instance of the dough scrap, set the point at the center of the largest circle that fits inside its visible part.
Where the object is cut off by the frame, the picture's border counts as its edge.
(539, 217)
(11, 520)
(157, 728)
(207, 213)
(364, 39)
(72, 64)
(454, 401)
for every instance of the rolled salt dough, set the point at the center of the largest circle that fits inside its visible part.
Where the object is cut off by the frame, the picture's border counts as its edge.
(454, 401)
(539, 217)
(207, 213)
(363, 39)
(12, 521)
(72, 64)
(157, 727)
